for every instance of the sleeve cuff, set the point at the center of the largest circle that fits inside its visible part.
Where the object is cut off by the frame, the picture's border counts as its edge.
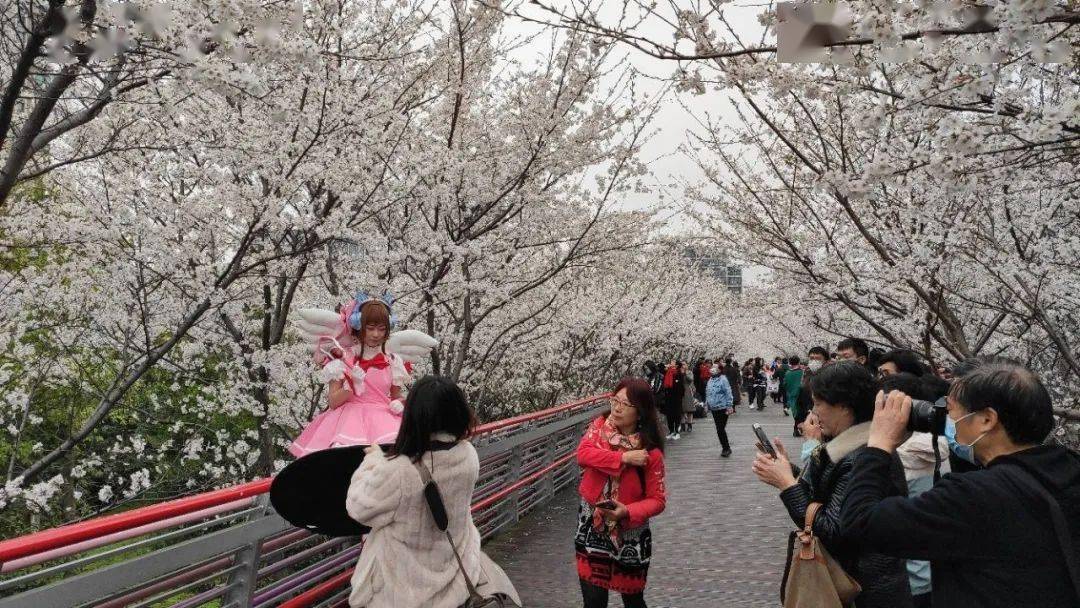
(875, 454)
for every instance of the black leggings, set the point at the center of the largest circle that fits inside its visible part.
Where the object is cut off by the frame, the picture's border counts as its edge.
(597, 597)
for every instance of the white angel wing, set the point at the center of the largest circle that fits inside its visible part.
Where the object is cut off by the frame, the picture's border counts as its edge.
(410, 344)
(314, 329)
(321, 330)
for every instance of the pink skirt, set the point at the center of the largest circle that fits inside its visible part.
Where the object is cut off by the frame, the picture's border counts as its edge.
(353, 423)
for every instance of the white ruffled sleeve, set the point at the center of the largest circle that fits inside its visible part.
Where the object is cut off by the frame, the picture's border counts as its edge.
(375, 491)
(401, 375)
(333, 370)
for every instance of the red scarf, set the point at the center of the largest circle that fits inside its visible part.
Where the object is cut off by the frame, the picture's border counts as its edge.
(611, 439)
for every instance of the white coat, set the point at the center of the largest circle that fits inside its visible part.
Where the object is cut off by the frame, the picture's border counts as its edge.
(407, 562)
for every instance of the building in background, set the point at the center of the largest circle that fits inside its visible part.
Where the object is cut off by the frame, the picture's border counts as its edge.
(718, 263)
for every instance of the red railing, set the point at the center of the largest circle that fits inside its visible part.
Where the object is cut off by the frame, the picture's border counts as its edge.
(73, 534)
(47, 540)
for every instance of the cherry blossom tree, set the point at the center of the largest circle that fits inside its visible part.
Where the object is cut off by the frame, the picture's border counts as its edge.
(148, 290)
(891, 181)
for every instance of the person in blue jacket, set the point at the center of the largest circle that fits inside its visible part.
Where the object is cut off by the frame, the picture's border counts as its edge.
(718, 399)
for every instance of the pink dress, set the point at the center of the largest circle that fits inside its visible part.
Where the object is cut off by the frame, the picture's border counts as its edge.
(366, 417)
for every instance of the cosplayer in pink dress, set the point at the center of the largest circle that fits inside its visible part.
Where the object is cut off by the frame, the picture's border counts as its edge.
(368, 380)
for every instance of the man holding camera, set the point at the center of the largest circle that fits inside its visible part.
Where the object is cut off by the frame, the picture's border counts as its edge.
(1007, 535)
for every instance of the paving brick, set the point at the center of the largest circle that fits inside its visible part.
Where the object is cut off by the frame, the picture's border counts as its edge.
(719, 543)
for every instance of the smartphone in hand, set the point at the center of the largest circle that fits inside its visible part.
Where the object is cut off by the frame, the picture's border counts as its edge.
(606, 504)
(763, 441)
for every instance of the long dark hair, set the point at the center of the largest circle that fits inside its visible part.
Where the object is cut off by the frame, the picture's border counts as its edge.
(435, 404)
(640, 395)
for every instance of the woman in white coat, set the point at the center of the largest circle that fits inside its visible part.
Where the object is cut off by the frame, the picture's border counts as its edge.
(407, 562)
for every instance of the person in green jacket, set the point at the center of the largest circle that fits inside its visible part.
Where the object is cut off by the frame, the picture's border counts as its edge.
(792, 386)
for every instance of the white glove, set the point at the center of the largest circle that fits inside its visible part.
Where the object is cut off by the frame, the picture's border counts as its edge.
(396, 406)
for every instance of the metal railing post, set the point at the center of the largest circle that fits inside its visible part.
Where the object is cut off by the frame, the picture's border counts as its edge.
(513, 500)
(579, 432)
(549, 458)
(242, 580)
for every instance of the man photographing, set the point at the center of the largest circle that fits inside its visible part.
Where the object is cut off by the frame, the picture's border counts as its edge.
(1001, 536)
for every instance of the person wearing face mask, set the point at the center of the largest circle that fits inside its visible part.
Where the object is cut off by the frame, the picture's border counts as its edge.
(843, 397)
(1007, 535)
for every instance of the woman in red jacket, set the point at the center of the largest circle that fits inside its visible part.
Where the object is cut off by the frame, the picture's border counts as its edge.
(622, 486)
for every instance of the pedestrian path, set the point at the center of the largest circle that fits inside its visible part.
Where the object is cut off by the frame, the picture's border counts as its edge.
(720, 542)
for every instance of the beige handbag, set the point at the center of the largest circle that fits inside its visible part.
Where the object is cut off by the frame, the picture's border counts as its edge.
(813, 579)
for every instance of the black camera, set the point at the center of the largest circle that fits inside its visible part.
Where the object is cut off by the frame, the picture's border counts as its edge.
(927, 417)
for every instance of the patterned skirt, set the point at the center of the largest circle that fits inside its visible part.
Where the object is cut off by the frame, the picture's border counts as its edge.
(621, 569)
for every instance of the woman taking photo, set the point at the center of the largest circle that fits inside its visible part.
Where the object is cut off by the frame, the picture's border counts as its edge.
(622, 486)
(407, 561)
(843, 394)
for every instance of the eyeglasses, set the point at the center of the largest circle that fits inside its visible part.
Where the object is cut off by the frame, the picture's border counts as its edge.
(616, 402)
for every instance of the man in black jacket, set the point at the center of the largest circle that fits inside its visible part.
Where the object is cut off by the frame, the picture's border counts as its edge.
(990, 535)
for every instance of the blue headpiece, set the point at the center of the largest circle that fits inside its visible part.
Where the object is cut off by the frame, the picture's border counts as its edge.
(362, 298)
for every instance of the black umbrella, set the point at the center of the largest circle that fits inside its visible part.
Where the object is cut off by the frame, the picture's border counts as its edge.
(310, 492)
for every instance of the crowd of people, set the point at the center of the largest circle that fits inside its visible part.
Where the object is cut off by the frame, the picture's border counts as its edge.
(925, 487)
(1003, 529)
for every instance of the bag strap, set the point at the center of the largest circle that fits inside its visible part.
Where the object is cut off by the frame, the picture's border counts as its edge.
(435, 506)
(1060, 526)
(811, 514)
(806, 535)
(806, 549)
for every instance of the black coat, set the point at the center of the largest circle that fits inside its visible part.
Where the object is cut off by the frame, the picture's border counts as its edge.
(825, 479)
(732, 374)
(987, 534)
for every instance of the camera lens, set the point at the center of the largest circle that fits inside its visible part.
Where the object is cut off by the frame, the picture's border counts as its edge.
(926, 417)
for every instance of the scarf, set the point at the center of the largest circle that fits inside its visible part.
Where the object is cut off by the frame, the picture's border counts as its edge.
(611, 439)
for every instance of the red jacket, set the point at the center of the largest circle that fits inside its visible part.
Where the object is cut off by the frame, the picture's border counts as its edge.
(669, 377)
(599, 463)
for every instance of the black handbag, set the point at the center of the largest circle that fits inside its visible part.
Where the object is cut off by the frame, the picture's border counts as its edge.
(442, 521)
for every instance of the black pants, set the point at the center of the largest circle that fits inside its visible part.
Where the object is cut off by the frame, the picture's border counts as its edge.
(758, 395)
(674, 419)
(673, 411)
(720, 418)
(597, 597)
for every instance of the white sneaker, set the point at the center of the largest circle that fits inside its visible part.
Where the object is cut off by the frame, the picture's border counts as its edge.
(675, 436)
(669, 435)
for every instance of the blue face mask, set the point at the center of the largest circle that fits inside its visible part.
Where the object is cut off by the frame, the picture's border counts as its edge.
(964, 451)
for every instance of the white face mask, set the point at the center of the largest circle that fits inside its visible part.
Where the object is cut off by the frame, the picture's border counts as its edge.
(815, 365)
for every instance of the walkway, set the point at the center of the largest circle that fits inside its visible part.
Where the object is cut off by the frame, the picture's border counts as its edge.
(719, 544)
